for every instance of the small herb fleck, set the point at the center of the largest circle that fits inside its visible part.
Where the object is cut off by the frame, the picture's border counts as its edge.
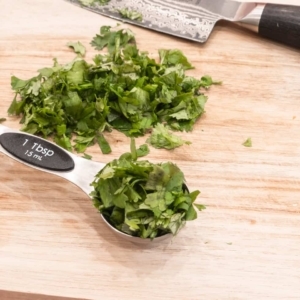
(248, 143)
(131, 14)
(93, 2)
(77, 47)
(87, 156)
(161, 137)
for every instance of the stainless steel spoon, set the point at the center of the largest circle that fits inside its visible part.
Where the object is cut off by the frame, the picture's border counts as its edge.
(46, 156)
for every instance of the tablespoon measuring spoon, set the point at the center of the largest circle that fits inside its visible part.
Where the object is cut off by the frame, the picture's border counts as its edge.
(46, 156)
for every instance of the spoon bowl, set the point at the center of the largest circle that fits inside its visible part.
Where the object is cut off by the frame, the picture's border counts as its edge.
(136, 239)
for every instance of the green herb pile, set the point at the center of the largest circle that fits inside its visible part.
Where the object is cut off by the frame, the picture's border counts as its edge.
(143, 199)
(122, 89)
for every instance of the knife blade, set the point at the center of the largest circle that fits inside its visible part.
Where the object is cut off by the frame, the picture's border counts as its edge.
(195, 19)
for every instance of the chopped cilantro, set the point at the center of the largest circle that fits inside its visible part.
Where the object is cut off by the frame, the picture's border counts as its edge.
(93, 2)
(130, 14)
(87, 156)
(173, 58)
(206, 81)
(78, 47)
(114, 40)
(248, 143)
(103, 144)
(162, 138)
(122, 89)
(200, 206)
(143, 199)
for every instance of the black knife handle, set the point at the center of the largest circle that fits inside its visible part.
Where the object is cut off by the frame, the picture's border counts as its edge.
(281, 23)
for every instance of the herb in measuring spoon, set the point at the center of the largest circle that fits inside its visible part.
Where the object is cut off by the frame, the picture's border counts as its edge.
(144, 199)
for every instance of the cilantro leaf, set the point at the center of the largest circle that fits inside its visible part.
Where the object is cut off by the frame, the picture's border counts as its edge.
(200, 206)
(143, 150)
(112, 39)
(63, 141)
(207, 81)
(103, 144)
(77, 47)
(87, 156)
(130, 14)
(173, 58)
(162, 138)
(248, 143)
(93, 2)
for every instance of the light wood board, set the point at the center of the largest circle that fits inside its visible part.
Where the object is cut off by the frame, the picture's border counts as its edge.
(245, 245)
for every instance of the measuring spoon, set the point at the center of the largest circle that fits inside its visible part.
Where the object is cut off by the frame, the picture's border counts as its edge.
(46, 156)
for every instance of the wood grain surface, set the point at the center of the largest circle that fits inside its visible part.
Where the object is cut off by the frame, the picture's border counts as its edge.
(245, 245)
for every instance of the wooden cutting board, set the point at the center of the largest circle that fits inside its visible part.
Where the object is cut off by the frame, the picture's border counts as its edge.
(245, 245)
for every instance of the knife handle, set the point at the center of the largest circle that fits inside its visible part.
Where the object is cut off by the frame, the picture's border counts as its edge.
(281, 23)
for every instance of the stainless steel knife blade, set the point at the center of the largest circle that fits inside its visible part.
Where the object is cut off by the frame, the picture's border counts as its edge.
(192, 19)
(195, 19)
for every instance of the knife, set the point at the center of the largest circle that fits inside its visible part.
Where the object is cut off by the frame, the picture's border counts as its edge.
(195, 19)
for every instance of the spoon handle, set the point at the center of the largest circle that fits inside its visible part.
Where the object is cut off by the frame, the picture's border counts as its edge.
(41, 154)
(36, 151)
